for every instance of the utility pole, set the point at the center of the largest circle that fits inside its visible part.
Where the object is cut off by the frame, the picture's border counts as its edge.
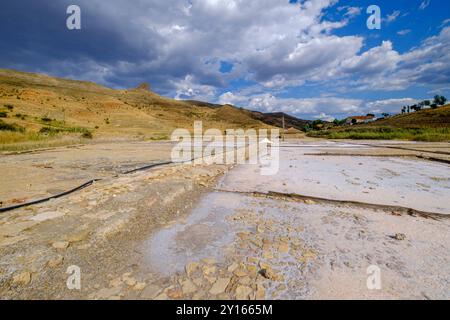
(284, 128)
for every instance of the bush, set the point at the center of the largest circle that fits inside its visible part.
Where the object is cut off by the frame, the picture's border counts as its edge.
(10, 127)
(49, 131)
(46, 119)
(87, 135)
(3, 114)
(20, 116)
(9, 106)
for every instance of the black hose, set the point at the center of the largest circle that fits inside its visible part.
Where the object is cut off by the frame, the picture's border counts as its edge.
(80, 187)
(89, 183)
(84, 185)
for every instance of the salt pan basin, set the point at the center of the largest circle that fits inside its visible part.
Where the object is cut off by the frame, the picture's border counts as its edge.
(407, 182)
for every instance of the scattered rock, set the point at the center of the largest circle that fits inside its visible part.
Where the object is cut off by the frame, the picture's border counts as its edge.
(399, 236)
(260, 228)
(232, 267)
(13, 229)
(219, 286)
(245, 280)
(283, 247)
(128, 279)
(173, 292)
(106, 293)
(191, 268)
(260, 292)
(209, 269)
(4, 242)
(268, 273)
(23, 278)
(47, 216)
(240, 272)
(139, 286)
(162, 296)
(61, 245)
(55, 262)
(267, 254)
(309, 201)
(151, 292)
(77, 237)
(188, 287)
(243, 292)
(116, 282)
(209, 261)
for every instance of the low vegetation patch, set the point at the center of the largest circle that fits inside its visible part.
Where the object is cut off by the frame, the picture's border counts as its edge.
(11, 127)
(385, 133)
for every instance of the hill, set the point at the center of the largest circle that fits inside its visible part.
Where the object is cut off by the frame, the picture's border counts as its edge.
(276, 119)
(424, 125)
(426, 118)
(40, 111)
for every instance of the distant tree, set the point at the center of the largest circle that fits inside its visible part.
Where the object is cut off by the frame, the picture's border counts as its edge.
(386, 115)
(354, 121)
(439, 100)
(409, 109)
(434, 106)
(370, 115)
(403, 110)
(427, 103)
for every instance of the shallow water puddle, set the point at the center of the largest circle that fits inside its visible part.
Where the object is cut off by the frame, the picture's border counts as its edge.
(202, 235)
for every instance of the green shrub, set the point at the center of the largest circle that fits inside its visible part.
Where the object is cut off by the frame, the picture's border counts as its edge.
(49, 131)
(9, 106)
(10, 127)
(3, 114)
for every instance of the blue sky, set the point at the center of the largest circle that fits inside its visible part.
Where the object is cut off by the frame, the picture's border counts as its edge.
(313, 59)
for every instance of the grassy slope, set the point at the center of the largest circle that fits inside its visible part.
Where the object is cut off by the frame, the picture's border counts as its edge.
(76, 107)
(425, 125)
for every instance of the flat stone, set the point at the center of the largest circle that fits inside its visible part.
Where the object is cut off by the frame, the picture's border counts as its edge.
(106, 293)
(219, 286)
(209, 261)
(139, 286)
(191, 268)
(79, 236)
(4, 242)
(188, 287)
(47, 216)
(23, 278)
(116, 282)
(13, 229)
(174, 293)
(232, 267)
(128, 279)
(260, 292)
(55, 262)
(240, 272)
(283, 247)
(209, 269)
(243, 292)
(61, 244)
(151, 292)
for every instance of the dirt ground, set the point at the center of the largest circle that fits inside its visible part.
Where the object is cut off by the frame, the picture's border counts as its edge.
(221, 232)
